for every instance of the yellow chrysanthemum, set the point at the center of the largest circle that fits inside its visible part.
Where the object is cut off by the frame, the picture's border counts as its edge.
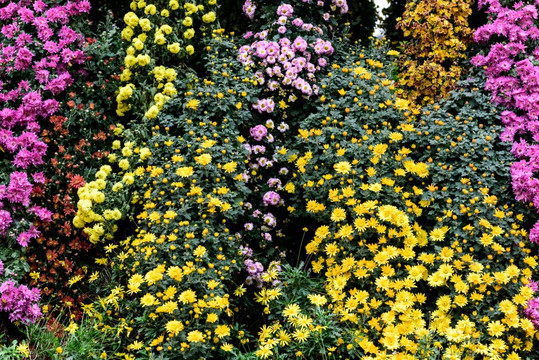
(192, 104)
(199, 251)
(195, 336)
(148, 300)
(291, 310)
(338, 214)
(230, 166)
(174, 327)
(222, 331)
(316, 299)
(187, 297)
(342, 167)
(203, 159)
(313, 206)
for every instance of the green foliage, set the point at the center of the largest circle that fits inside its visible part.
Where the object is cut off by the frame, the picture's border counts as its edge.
(81, 340)
(11, 351)
(296, 313)
(394, 11)
(231, 16)
(362, 17)
(464, 130)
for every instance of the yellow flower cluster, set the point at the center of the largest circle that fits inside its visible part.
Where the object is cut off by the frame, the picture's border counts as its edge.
(93, 206)
(397, 271)
(301, 326)
(183, 254)
(408, 267)
(153, 37)
(390, 280)
(89, 195)
(189, 262)
(440, 34)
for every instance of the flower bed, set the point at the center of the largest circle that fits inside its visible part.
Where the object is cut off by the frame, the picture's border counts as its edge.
(268, 195)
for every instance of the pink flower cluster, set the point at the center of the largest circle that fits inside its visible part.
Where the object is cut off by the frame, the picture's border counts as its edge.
(19, 189)
(271, 198)
(287, 52)
(20, 302)
(255, 270)
(285, 10)
(38, 51)
(293, 60)
(532, 307)
(264, 105)
(340, 4)
(513, 78)
(258, 132)
(532, 311)
(288, 62)
(249, 9)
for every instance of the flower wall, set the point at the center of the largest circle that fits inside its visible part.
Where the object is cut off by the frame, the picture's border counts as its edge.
(77, 141)
(509, 65)
(41, 54)
(280, 193)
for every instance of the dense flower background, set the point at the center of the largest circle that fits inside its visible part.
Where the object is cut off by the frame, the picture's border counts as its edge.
(173, 189)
